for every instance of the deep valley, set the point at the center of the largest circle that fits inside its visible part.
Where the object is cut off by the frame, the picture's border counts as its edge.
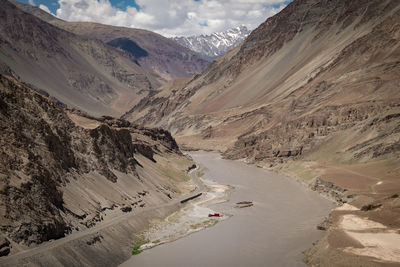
(104, 131)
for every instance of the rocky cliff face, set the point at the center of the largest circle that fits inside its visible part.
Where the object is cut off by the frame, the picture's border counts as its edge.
(216, 44)
(80, 72)
(57, 177)
(153, 52)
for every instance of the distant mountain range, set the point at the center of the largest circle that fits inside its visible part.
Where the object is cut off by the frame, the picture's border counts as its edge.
(216, 44)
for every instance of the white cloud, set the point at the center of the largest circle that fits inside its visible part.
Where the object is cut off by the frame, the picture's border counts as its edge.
(45, 8)
(31, 2)
(173, 17)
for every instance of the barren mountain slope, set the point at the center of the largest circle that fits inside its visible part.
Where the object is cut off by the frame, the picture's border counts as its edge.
(160, 55)
(153, 51)
(63, 171)
(78, 71)
(316, 68)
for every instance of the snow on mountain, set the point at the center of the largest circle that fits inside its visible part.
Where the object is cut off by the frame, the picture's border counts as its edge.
(216, 44)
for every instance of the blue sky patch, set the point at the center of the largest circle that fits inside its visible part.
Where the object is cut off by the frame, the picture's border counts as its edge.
(123, 4)
(279, 5)
(53, 4)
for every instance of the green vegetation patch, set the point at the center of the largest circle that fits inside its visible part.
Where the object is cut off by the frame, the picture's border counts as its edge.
(136, 249)
(139, 240)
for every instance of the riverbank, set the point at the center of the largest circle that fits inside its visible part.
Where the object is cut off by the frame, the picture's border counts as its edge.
(365, 229)
(363, 233)
(274, 231)
(109, 241)
(105, 246)
(191, 218)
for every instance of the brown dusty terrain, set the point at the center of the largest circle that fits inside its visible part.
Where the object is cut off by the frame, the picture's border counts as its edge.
(366, 231)
(312, 92)
(361, 234)
(63, 172)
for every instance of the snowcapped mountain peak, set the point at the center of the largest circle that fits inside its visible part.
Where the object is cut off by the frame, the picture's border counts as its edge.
(216, 44)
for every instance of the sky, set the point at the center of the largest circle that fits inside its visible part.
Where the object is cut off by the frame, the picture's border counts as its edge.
(167, 17)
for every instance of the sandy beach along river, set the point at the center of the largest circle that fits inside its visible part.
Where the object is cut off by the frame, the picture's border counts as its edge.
(273, 232)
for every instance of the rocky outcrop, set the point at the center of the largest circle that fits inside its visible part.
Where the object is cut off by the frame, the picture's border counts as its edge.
(329, 190)
(48, 163)
(324, 225)
(293, 138)
(159, 135)
(4, 247)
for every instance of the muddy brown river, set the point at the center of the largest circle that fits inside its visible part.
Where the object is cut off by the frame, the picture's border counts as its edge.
(273, 232)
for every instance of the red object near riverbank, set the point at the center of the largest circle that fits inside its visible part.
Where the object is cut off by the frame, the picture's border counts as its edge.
(215, 215)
